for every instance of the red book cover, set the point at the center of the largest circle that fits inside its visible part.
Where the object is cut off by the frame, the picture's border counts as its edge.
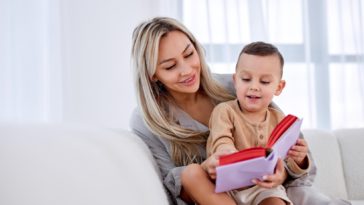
(254, 152)
(238, 169)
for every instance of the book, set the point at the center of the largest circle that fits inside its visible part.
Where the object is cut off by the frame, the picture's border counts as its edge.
(237, 170)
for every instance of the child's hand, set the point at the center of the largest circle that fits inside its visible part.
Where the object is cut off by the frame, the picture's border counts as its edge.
(210, 164)
(274, 180)
(298, 152)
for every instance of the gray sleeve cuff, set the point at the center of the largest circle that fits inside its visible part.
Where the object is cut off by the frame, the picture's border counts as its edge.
(173, 181)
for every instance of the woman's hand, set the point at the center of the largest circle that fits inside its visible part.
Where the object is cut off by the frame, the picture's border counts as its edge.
(210, 164)
(298, 153)
(276, 179)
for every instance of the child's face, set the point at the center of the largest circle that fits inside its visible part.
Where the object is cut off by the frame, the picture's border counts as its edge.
(257, 80)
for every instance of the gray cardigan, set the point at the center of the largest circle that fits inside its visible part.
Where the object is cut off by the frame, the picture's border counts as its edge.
(170, 174)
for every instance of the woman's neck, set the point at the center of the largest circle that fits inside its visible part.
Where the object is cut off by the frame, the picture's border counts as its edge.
(199, 106)
(186, 100)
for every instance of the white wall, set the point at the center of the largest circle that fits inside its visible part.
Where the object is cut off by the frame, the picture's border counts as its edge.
(96, 43)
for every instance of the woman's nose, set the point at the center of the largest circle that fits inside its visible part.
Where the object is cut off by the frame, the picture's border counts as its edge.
(185, 70)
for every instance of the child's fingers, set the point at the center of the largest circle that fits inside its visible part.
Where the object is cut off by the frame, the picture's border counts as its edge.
(299, 149)
(264, 184)
(295, 154)
(301, 142)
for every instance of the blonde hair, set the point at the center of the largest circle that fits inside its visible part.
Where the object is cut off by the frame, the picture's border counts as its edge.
(154, 100)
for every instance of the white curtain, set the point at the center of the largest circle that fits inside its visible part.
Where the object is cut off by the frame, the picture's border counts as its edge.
(69, 60)
(30, 77)
(322, 43)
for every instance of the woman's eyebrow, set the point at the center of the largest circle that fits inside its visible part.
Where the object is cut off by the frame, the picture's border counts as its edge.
(188, 45)
(169, 59)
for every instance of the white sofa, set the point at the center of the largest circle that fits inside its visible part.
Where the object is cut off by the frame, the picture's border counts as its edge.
(43, 164)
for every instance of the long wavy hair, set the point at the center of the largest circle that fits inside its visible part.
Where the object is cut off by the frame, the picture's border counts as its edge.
(155, 101)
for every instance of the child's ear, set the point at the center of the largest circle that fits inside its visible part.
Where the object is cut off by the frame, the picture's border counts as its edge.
(281, 85)
(234, 80)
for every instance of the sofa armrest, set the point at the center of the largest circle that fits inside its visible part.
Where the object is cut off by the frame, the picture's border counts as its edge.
(65, 164)
(327, 156)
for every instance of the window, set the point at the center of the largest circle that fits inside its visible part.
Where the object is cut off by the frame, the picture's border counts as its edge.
(322, 43)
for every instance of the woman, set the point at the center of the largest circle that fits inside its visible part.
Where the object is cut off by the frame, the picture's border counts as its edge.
(176, 94)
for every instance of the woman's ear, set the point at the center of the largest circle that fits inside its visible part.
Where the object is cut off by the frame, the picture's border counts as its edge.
(154, 79)
(281, 85)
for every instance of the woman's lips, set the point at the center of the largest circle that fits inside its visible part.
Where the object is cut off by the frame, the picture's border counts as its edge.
(189, 81)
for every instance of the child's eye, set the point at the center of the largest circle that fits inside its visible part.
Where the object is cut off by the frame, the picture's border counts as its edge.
(264, 82)
(245, 79)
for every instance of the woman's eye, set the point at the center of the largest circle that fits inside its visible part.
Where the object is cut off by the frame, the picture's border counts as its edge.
(190, 54)
(169, 67)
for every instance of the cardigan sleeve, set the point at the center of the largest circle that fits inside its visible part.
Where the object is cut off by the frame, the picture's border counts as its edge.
(169, 173)
(221, 127)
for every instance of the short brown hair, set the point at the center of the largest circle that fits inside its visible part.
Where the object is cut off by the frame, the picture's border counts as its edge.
(260, 48)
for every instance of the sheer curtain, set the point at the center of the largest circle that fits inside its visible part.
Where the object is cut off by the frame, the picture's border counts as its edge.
(30, 77)
(69, 60)
(322, 43)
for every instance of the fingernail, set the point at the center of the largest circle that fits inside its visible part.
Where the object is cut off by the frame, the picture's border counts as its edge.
(265, 177)
(254, 181)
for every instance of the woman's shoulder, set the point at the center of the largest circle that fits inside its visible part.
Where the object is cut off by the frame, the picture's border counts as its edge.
(225, 80)
(137, 124)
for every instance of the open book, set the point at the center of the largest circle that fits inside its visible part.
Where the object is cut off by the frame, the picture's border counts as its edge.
(237, 170)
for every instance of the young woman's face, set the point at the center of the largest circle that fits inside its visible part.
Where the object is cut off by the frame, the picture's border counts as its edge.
(178, 66)
(257, 80)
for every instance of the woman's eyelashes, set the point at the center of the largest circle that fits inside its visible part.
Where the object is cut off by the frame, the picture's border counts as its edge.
(173, 65)
(170, 67)
(189, 54)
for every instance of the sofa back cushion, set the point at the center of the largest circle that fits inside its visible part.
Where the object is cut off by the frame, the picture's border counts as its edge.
(351, 142)
(326, 154)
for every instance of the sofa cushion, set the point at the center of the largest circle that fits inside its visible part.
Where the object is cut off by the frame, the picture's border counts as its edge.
(66, 164)
(330, 177)
(351, 143)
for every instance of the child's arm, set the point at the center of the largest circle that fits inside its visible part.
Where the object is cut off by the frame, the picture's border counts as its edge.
(226, 148)
(210, 164)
